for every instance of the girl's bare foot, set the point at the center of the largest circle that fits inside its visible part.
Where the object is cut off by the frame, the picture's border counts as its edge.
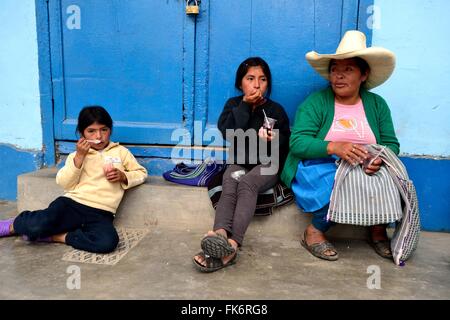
(59, 238)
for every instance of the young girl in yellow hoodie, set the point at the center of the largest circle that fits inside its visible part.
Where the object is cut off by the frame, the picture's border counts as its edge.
(94, 179)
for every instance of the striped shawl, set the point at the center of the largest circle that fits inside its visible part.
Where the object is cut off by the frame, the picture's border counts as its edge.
(384, 197)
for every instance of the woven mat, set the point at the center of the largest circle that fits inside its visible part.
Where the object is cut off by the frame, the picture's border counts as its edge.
(128, 238)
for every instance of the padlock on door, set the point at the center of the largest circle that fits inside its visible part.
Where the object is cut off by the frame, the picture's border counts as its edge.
(192, 8)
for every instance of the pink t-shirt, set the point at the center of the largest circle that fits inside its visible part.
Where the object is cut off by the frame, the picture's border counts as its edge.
(350, 124)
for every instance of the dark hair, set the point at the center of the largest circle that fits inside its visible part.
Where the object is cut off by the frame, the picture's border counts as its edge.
(253, 62)
(360, 63)
(91, 114)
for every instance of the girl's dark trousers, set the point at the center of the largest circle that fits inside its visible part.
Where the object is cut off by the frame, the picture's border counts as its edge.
(87, 228)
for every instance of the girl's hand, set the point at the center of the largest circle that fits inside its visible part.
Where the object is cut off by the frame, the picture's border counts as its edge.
(350, 152)
(115, 175)
(254, 98)
(266, 134)
(82, 150)
(374, 166)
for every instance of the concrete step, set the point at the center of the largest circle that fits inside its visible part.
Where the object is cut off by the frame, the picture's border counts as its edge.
(162, 204)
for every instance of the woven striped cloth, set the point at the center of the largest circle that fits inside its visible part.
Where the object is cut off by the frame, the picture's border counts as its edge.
(406, 235)
(365, 200)
(351, 186)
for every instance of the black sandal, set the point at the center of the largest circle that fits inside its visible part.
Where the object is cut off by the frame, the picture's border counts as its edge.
(212, 264)
(217, 246)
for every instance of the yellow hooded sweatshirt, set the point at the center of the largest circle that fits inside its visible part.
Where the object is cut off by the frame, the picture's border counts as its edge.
(89, 186)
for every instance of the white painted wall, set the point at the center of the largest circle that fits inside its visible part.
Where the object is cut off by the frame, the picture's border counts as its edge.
(20, 112)
(418, 93)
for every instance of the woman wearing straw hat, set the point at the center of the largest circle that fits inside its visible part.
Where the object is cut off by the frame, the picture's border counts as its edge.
(338, 123)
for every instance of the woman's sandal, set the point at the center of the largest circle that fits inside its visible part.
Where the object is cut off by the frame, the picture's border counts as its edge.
(212, 264)
(217, 246)
(382, 248)
(318, 249)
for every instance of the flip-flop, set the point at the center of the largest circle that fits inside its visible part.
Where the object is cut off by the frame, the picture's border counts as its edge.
(217, 246)
(212, 264)
(318, 249)
(381, 247)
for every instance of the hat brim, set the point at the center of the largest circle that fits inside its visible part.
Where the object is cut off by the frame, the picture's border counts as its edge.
(381, 62)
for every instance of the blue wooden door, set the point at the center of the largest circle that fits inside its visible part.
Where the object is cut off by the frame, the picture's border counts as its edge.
(279, 31)
(135, 58)
(157, 70)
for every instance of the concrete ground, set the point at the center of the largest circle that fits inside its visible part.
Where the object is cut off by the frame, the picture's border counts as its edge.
(160, 267)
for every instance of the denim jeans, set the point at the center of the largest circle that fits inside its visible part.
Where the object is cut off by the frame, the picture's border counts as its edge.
(87, 228)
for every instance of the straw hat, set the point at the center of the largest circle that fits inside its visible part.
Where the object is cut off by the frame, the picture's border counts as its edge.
(381, 61)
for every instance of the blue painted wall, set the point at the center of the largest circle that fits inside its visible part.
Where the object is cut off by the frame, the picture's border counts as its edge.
(20, 114)
(13, 163)
(431, 179)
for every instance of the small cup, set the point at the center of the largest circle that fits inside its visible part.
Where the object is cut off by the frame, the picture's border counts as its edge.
(269, 123)
(367, 162)
(371, 157)
(108, 166)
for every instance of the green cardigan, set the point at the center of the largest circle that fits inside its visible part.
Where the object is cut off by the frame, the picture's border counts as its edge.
(313, 121)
